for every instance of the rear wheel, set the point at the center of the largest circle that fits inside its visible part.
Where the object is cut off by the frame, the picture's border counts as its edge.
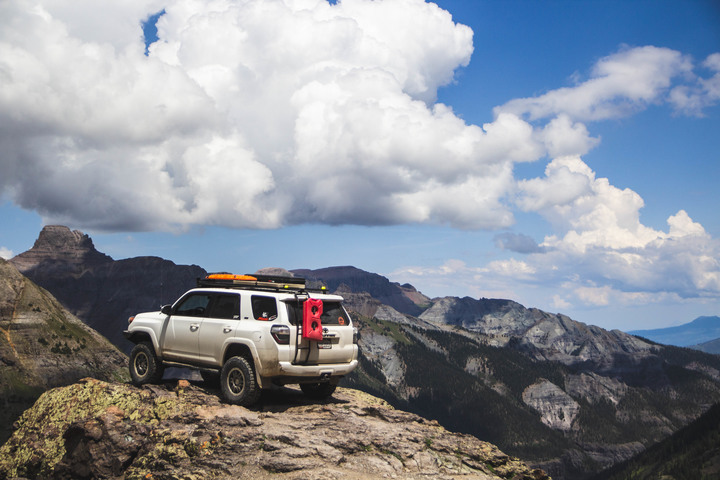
(144, 365)
(237, 382)
(318, 391)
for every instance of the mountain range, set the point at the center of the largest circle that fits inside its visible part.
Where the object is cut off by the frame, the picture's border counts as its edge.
(699, 331)
(570, 398)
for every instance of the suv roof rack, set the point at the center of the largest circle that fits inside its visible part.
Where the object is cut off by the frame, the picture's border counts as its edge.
(255, 282)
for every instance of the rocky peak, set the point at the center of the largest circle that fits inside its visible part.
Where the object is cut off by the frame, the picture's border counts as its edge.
(183, 431)
(59, 245)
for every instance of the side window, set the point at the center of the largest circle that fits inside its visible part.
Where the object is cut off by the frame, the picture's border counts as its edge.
(194, 305)
(264, 308)
(226, 306)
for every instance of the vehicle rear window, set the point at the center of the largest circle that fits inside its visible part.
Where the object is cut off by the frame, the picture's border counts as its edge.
(333, 313)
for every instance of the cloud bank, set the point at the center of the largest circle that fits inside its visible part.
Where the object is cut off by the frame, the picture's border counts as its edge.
(261, 114)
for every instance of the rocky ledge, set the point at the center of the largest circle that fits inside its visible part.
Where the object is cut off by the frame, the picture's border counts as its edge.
(95, 429)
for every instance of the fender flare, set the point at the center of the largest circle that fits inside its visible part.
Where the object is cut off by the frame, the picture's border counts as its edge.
(241, 345)
(137, 335)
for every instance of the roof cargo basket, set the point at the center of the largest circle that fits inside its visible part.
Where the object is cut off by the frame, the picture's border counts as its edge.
(261, 282)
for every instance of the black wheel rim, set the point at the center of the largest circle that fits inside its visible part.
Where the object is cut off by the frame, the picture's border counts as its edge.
(141, 364)
(236, 381)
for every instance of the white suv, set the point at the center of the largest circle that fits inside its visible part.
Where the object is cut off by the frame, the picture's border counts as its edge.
(251, 331)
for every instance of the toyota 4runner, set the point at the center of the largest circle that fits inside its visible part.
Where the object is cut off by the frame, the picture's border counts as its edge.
(250, 332)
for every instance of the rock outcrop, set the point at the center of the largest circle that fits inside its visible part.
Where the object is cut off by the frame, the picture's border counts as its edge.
(42, 346)
(557, 409)
(166, 432)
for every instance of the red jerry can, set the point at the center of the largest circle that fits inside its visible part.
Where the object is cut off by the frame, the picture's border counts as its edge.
(312, 327)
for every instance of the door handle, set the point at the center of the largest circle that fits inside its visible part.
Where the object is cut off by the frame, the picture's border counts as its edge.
(194, 327)
(227, 329)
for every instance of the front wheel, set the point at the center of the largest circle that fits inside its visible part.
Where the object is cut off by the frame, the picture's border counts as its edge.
(144, 365)
(237, 382)
(318, 391)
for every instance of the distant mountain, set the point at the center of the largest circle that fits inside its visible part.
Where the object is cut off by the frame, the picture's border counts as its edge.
(99, 290)
(713, 346)
(403, 298)
(567, 397)
(43, 346)
(700, 330)
(570, 398)
(692, 453)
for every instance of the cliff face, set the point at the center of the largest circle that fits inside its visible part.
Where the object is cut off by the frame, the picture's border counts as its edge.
(161, 432)
(42, 346)
(101, 291)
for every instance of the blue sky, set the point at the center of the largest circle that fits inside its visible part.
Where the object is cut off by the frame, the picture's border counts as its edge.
(562, 154)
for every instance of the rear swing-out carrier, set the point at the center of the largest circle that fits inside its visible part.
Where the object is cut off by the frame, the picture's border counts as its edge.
(311, 329)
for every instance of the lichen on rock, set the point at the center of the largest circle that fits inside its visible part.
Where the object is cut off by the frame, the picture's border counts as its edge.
(95, 429)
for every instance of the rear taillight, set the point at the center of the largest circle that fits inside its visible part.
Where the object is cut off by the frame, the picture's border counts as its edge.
(131, 319)
(281, 334)
(356, 335)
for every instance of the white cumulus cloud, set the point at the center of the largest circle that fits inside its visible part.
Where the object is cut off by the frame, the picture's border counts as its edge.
(620, 84)
(246, 114)
(266, 113)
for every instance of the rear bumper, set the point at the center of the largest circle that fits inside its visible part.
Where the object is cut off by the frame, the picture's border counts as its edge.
(287, 369)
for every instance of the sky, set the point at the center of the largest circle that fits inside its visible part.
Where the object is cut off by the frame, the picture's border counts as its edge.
(561, 154)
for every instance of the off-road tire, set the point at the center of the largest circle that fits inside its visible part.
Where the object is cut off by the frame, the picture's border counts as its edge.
(318, 391)
(237, 382)
(144, 365)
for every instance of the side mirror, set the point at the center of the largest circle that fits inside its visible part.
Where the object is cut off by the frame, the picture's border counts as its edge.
(166, 309)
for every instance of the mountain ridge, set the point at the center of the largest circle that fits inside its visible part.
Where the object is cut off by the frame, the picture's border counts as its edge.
(567, 397)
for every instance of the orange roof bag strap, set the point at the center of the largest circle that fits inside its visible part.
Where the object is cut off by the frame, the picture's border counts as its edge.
(312, 327)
